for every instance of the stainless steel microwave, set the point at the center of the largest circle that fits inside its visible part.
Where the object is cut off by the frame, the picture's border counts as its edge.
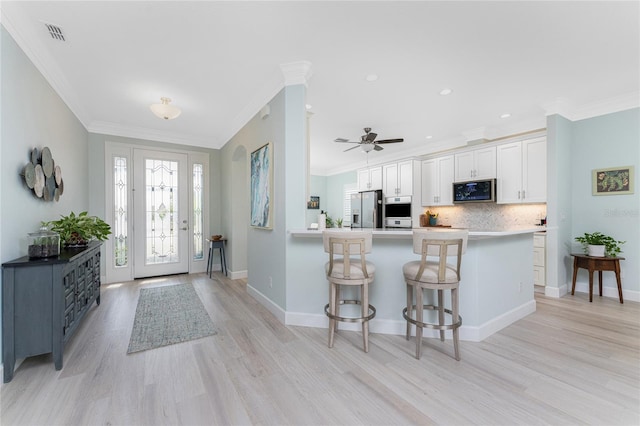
(476, 191)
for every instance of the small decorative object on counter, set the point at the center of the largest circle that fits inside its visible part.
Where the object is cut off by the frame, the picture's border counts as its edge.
(322, 220)
(433, 218)
(216, 237)
(591, 241)
(44, 243)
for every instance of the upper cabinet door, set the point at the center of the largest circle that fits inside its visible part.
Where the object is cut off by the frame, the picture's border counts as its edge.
(376, 177)
(437, 180)
(370, 178)
(509, 181)
(485, 163)
(476, 164)
(534, 170)
(364, 180)
(464, 166)
(445, 197)
(522, 172)
(405, 178)
(390, 180)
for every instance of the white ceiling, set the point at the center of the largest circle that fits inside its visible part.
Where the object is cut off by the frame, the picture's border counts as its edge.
(220, 63)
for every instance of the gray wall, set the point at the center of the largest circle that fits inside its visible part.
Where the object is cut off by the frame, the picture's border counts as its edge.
(610, 140)
(33, 115)
(263, 253)
(559, 205)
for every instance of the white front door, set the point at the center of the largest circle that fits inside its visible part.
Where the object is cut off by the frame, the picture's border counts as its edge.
(161, 211)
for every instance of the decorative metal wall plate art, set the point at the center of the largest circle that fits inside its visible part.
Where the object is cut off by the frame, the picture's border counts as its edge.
(43, 175)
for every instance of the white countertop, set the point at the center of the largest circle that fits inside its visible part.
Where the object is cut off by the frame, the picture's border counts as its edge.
(407, 233)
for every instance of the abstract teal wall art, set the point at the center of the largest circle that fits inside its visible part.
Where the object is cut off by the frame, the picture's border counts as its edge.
(262, 186)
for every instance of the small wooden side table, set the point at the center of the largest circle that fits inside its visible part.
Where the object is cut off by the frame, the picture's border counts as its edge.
(596, 264)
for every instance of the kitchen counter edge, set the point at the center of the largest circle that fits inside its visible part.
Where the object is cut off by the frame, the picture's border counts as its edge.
(406, 233)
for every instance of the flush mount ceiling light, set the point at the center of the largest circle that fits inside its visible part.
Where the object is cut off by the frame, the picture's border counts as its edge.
(164, 110)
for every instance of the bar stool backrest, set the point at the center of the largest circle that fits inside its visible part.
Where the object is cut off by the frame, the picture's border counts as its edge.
(445, 234)
(367, 236)
(347, 244)
(440, 244)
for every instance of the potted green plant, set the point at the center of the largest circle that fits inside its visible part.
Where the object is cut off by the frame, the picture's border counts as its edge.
(599, 245)
(339, 222)
(78, 230)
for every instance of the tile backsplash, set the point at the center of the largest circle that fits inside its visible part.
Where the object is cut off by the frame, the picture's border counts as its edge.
(490, 215)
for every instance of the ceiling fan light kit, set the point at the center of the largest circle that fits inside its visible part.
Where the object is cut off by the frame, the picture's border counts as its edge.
(368, 141)
(164, 110)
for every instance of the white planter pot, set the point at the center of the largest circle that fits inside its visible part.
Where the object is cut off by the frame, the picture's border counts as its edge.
(595, 251)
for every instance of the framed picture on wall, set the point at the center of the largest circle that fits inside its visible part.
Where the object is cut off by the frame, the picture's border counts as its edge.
(314, 202)
(262, 187)
(612, 181)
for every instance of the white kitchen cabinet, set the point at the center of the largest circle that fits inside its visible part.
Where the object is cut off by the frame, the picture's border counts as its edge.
(397, 179)
(437, 180)
(370, 178)
(475, 164)
(539, 255)
(522, 172)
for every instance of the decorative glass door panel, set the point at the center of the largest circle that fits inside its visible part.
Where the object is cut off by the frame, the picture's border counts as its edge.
(161, 210)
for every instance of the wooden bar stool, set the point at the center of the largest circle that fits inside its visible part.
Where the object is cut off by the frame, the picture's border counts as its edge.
(348, 267)
(435, 274)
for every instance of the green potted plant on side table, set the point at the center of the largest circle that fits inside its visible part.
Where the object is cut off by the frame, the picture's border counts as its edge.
(78, 230)
(599, 245)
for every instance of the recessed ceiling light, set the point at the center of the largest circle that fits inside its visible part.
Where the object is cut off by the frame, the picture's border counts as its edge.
(445, 92)
(505, 115)
(372, 77)
(307, 106)
(429, 137)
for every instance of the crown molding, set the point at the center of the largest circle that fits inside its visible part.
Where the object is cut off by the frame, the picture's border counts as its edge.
(563, 107)
(298, 72)
(265, 94)
(116, 129)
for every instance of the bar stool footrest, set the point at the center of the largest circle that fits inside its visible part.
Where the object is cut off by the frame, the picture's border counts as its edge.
(372, 312)
(417, 323)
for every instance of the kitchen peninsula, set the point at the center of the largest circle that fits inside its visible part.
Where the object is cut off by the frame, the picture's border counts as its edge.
(496, 287)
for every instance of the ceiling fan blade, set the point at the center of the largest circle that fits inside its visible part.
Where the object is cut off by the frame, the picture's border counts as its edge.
(390, 141)
(353, 147)
(377, 148)
(371, 136)
(343, 140)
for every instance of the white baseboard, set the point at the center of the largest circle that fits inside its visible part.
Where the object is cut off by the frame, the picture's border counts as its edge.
(237, 275)
(630, 295)
(556, 292)
(276, 310)
(399, 327)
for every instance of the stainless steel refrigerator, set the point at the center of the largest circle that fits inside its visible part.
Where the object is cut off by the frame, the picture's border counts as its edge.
(366, 209)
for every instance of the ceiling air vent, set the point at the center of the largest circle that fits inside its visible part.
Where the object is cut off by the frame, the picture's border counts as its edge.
(55, 32)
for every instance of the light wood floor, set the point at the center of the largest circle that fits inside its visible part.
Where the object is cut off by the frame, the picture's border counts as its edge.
(571, 362)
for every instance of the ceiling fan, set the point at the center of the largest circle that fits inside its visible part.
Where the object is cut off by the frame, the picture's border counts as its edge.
(368, 141)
